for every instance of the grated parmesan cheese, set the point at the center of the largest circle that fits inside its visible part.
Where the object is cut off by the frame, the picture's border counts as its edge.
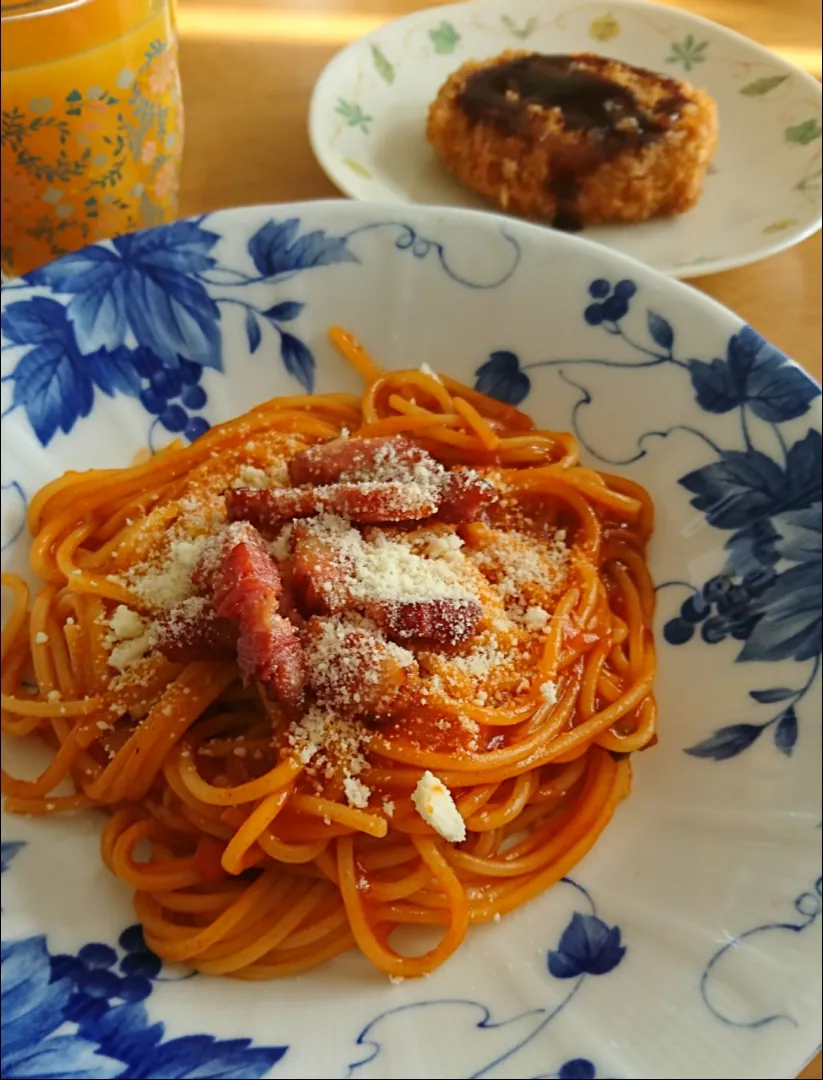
(347, 654)
(129, 652)
(434, 803)
(485, 654)
(251, 477)
(281, 545)
(356, 792)
(383, 569)
(40, 638)
(128, 640)
(125, 623)
(535, 618)
(519, 566)
(169, 583)
(187, 552)
(328, 742)
(443, 546)
(548, 691)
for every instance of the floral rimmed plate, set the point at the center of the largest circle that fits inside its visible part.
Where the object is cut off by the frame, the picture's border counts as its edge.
(368, 116)
(687, 945)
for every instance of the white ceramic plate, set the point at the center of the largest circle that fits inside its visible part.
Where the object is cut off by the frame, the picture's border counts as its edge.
(368, 116)
(687, 944)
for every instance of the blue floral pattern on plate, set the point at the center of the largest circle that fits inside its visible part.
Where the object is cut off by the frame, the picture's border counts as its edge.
(141, 317)
(770, 594)
(587, 947)
(807, 910)
(84, 1015)
(180, 327)
(68, 1017)
(142, 321)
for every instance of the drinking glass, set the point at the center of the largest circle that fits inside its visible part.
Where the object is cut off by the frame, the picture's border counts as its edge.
(92, 124)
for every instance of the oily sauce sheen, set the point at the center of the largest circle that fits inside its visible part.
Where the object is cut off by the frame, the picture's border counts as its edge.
(590, 103)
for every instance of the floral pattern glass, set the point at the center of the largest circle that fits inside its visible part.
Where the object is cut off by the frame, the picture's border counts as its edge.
(92, 125)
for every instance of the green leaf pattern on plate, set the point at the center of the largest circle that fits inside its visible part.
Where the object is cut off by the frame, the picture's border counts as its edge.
(759, 87)
(687, 52)
(780, 226)
(810, 182)
(804, 133)
(444, 38)
(604, 27)
(355, 166)
(353, 115)
(382, 65)
(521, 32)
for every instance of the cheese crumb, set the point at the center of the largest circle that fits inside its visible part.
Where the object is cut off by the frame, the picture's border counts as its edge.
(129, 638)
(440, 546)
(383, 569)
(125, 623)
(166, 585)
(434, 803)
(40, 638)
(396, 980)
(280, 547)
(53, 695)
(388, 807)
(535, 618)
(357, 794)
(128, 653)
(548, 691)
(251, 477)
(187, 552)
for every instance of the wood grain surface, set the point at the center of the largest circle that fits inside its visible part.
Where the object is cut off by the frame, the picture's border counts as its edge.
(248, 69)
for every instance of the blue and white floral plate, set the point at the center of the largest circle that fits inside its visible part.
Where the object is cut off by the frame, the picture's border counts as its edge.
(688, 943)
(367, 121)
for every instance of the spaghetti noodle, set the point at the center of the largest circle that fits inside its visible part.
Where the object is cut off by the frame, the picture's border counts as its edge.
(341, 665)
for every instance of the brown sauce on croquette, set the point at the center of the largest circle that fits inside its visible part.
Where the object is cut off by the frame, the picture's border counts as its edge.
(505, 94)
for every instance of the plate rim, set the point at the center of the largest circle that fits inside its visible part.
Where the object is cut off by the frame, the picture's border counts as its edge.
(389, 207)
(487, 220)
(352, 189)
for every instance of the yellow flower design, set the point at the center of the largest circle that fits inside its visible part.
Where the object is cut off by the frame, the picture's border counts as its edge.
(604, 28)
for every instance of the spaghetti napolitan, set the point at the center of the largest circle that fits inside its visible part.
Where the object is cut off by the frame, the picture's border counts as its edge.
(339, 666)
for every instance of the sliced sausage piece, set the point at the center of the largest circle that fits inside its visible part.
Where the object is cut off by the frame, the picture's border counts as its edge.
(246, 592)
(269, 651)
(319, 571)
(367, 503)
(211, 561)
(443, 621)
(354, 669)
(270, 508)
(194, 631)
(464, 497)
(355, 460)
(247, 573)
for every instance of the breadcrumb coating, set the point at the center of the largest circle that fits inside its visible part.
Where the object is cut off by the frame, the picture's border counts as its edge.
(574, 140)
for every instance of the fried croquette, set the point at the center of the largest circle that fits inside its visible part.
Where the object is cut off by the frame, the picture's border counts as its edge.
(574, 140)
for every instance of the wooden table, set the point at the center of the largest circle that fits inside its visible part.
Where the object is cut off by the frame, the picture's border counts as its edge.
(248, 69)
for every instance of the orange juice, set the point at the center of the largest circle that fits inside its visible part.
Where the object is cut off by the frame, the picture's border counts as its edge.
(92, 124)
